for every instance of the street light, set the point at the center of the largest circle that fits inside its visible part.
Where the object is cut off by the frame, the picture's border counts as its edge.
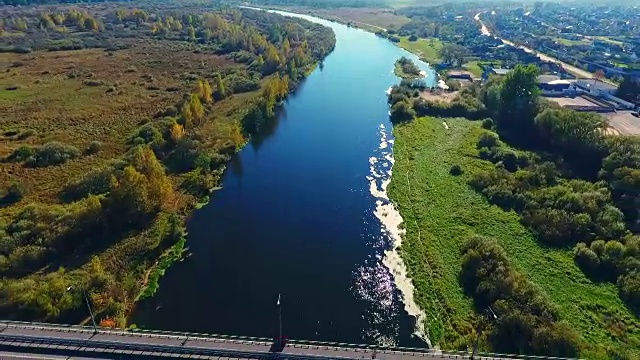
(279, 305)
(481, 326)
(86, 299)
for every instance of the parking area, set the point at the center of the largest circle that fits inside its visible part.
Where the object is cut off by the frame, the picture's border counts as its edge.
(624, 122)
(572, 101)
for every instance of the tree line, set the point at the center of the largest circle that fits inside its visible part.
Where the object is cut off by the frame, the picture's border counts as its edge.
(581, 187)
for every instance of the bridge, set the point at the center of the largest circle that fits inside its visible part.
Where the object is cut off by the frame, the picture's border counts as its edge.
(38, 341)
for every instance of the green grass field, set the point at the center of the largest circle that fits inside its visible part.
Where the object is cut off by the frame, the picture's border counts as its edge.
(473, 67)
(427, 49)
(441, 212)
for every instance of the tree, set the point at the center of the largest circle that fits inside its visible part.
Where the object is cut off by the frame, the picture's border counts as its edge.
(402, 111)
(453, 54)
(629, 90)
(195, 112)
(205, 92)
(599, 75)
(221, 91)
(176, 132)
(191, 33)
(519, 99)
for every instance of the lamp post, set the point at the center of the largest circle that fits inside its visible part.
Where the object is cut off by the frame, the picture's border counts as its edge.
(86, 299)
(481, 326)
(279, 306)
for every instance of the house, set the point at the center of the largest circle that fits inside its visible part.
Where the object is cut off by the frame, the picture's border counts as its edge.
(494, 71)
(596, 87)
(552, 85)
(460, 75)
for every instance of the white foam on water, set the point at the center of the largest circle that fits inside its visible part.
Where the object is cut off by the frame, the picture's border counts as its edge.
(388, 92)
(391, 225)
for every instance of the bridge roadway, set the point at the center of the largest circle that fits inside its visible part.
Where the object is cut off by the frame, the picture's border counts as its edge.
(36, 341)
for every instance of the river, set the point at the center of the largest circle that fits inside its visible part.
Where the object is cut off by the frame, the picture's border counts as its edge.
(297, 216)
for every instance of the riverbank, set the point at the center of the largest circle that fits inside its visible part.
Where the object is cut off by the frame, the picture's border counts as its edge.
(441, 211)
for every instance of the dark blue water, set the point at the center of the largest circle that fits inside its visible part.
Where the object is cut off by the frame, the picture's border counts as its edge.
(295, 216)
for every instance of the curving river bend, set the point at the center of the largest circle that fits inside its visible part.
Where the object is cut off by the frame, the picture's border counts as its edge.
(300, 214)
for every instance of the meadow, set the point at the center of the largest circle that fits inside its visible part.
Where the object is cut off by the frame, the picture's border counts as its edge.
(441, 212)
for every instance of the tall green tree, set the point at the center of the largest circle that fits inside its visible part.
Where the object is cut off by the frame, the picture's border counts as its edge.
(519, 100)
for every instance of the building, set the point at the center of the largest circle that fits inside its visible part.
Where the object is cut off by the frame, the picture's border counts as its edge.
(460, 75)
(596, 87)
(498, 71)
(552, 85)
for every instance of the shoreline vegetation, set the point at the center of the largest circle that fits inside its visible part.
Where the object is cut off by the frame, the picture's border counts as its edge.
(116, 124)
(405, 69)
(505, 215)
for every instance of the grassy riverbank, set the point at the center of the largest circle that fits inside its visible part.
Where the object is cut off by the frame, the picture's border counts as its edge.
(441, 212)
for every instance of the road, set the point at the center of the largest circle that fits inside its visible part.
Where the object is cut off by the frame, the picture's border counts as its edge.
(581, 73)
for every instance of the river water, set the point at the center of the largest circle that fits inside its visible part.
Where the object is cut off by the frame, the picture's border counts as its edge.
(297, 216)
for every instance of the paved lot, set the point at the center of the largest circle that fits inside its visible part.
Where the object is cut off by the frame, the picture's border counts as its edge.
(574, 101)
(624, 122)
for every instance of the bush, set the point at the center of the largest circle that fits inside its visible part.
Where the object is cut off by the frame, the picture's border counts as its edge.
(95, 182)
(54, 153)
(94, 147)
(413, 38)
(149, 134)
(14, 193)
(586, 258)
(402, 111)
(487, 124)
(629, 286)
(456, 170)
(23, 153)
(454, 85)
(92, 82)
(488, 140)
(26, 134)
(526, 321)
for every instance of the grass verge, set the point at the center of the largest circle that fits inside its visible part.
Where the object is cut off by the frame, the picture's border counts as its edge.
(441, 211)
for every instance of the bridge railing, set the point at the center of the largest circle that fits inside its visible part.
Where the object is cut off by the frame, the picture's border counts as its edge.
(418, 352)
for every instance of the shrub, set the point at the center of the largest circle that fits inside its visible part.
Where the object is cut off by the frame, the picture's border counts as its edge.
(94, 147)
(629, 286)
(23, 153)
(92, 82)
(95, 182)
(488, 140)
(586, 258)
(413, 38)
(27, 134)
(487, 124)
(54, 153)
(15, 192)
(456, 170)
(402, 111)
(454, 85)
(149, 134)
